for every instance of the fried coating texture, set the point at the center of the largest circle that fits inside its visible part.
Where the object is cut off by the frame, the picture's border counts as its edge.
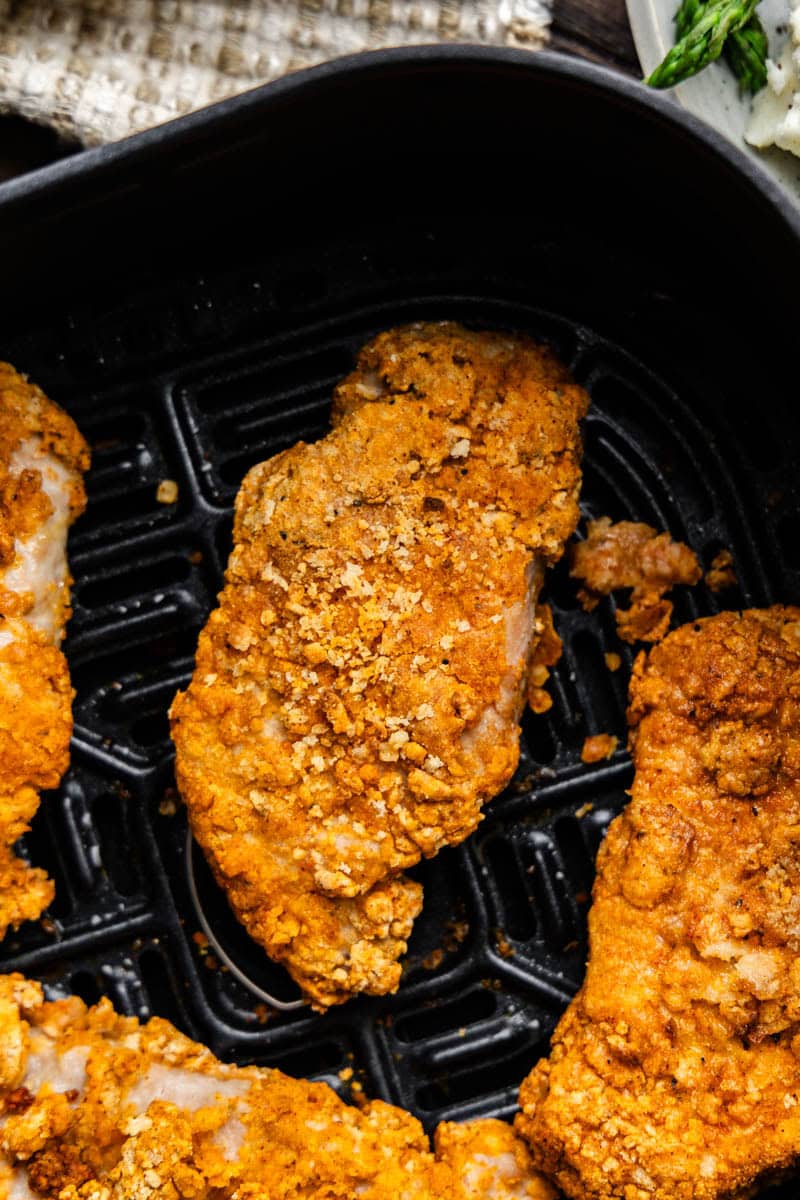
(356, 695)
(42, 458)
(721, 575)
(629, 554)
(675, 1073)
(490, 1161)
(95, 1106)
(598, 747)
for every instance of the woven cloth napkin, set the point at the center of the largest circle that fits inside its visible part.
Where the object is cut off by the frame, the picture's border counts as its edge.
(100, 69)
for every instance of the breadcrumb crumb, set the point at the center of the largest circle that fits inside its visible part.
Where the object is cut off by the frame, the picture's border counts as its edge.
(721, 574)
(632, 555)
(504, 947)
(598, 747)
(167, 492)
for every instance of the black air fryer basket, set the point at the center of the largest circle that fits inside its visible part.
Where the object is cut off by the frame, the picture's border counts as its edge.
(191, 296)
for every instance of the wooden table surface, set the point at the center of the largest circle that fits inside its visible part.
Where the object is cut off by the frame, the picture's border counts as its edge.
(594, 29)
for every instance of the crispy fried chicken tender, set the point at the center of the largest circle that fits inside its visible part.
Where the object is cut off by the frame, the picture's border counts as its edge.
(356, 695)
(675, 1073)
(96, 1106)
(42, 458)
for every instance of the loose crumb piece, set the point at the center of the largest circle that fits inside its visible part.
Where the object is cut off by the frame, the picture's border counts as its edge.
(168, 805)
(546, 654)
(434, 959)
(167, 491)
(584, 810)
(596, 748)
(630, 554)
(539, 699)
(721, 575)
(345, 1074)
(613, 661)
(454, 934)
(504, 947)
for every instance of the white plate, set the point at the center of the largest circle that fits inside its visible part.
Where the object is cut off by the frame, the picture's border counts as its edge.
(713, 94)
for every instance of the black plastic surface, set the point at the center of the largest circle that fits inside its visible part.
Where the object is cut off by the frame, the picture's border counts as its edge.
(192, 298)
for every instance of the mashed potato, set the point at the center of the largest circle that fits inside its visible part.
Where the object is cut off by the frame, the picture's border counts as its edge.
(776, 110)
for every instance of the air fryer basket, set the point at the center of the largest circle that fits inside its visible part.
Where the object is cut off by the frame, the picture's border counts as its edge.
(191, 297)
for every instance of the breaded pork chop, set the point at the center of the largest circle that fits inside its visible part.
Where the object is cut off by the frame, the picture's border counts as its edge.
(42, 460)
(675, 1073)
(95, 1106)
(356, 695)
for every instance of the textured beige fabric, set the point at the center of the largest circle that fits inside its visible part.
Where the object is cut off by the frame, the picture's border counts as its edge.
(100, 69)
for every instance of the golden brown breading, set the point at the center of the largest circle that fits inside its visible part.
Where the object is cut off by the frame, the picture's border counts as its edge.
(94, 1106)
(630, 554)
(675, 1073)
(42, 457)
(356, 695)
(490, 1162)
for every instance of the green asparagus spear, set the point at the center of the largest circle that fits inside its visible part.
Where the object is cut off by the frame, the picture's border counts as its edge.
(685, 17)
(703, 42)
(746, 52)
